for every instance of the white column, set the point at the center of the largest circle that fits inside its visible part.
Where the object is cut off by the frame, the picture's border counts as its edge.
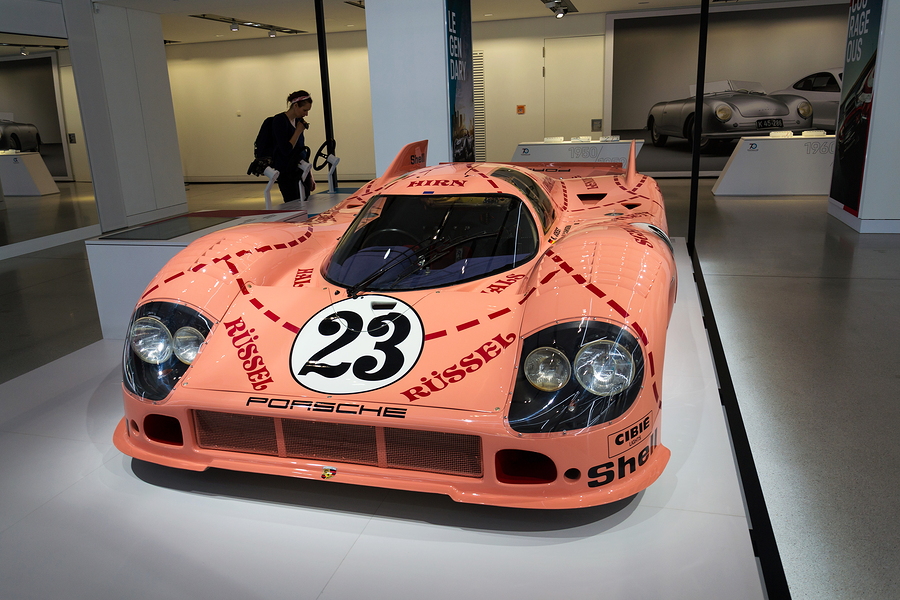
(408, 76)
(119, 65)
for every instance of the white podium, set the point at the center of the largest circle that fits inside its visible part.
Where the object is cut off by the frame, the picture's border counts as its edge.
(25, 174)
(122, 264)
(770, 166)
(576, 151)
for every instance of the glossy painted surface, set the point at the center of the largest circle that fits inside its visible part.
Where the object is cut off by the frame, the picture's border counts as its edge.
(262, 284)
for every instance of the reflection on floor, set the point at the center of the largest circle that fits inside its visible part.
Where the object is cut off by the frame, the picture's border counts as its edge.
(807, 309)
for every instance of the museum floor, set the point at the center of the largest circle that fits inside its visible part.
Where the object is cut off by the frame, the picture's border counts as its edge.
(807, 311)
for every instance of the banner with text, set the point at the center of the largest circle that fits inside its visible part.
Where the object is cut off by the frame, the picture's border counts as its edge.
(854, 114)
(461, 88)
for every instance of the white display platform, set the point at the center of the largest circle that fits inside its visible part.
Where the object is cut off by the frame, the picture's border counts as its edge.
(576, 151)
(25, 174)
(121, 268)
(79, 520)
(770, 166)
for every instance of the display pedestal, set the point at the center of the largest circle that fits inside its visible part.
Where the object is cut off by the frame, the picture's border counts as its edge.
(122, 264)
(25, 174)
(770, 166)
(576, 151)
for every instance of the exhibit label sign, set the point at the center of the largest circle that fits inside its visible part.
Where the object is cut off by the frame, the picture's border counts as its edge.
(461, 89)
(854, 115)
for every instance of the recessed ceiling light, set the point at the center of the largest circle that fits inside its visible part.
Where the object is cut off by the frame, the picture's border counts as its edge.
(489, 14)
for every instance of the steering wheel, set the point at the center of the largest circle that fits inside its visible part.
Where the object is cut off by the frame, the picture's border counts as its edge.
(398, 232)
(323, 154)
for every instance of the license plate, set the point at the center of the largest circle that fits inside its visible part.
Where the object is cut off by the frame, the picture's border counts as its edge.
(768, 123)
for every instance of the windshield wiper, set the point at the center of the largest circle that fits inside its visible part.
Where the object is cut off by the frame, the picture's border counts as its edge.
(441, 251)
(354, 290)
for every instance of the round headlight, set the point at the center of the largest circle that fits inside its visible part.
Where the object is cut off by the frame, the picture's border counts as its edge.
(547, 369)
(723, 112)
(805, 109)
(604, 368)
(187, 342)
(151, 341)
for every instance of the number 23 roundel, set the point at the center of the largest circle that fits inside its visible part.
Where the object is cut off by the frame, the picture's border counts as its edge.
(357, 345)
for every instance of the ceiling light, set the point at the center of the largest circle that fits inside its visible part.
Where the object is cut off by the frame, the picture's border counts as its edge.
(560, 8)
(23, 51)
(271, 33)
(234, 23)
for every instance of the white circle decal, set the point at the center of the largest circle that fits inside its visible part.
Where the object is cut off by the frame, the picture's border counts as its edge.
(357, 345)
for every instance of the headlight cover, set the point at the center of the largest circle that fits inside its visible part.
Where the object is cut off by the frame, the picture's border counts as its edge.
(608, 367)
(723, 112)
(155, 359)
(804, 109)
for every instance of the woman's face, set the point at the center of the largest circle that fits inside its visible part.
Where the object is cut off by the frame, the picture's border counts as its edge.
(301, 109)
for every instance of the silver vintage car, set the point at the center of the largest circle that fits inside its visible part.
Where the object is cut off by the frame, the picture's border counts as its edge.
(19, 136)
(731, 109)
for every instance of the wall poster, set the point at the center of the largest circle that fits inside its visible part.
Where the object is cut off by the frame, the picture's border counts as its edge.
(854, 114)
(460, 88)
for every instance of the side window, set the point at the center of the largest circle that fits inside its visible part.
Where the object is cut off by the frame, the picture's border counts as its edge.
(532, 191)
(825, 82)
(804, 84)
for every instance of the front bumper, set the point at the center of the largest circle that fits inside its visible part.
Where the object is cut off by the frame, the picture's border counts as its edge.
(471, 457)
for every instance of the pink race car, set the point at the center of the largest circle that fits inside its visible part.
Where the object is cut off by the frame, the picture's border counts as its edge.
(493, 332)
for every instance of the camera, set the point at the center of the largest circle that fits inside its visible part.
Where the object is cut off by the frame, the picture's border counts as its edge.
(258, 166)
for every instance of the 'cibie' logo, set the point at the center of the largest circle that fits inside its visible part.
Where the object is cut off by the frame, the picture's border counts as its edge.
(437, 183)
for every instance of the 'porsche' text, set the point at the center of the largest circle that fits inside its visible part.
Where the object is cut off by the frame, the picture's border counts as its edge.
(341, 408)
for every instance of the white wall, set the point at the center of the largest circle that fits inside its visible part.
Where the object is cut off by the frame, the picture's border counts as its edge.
(513, 75)
(213, 83)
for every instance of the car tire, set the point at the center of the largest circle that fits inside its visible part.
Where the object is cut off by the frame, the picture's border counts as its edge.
(705, 142)
(14, 143)
(656, 137)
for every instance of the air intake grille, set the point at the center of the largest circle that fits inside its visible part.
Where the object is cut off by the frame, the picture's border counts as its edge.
(385, 447)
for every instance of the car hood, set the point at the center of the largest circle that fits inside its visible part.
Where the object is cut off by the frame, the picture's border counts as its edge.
(446, 348)
(754, 105)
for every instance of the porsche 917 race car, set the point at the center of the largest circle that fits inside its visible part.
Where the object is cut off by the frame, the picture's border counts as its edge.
(490, 331)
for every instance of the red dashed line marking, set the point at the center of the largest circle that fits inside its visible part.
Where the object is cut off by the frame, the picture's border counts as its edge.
(656, 395)
(493, 184)
(640, 332)
(616, 307)
(579, 279)
(595, 290)
(280, 246)
(272, 316)
(435, 335)
(549, 276)
(242, 253)
(652, 365)
(175, 276)
(198, 267)
(147, 293)
(291, 327)
(467, 325)
(256, 303)
(499, 313)
(264, 248)
(528, 295)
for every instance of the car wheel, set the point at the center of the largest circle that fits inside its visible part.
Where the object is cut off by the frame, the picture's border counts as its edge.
(14, 142)
(705, 142)
(656, 137)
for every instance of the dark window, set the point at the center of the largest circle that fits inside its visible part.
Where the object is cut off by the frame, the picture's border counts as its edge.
(532, 190)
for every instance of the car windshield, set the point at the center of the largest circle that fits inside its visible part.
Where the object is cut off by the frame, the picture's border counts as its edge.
(419, 242)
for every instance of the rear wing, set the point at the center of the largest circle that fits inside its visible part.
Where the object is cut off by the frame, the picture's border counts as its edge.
(566, 170)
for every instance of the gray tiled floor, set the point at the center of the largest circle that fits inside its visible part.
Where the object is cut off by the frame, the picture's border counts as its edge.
(807, 310)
